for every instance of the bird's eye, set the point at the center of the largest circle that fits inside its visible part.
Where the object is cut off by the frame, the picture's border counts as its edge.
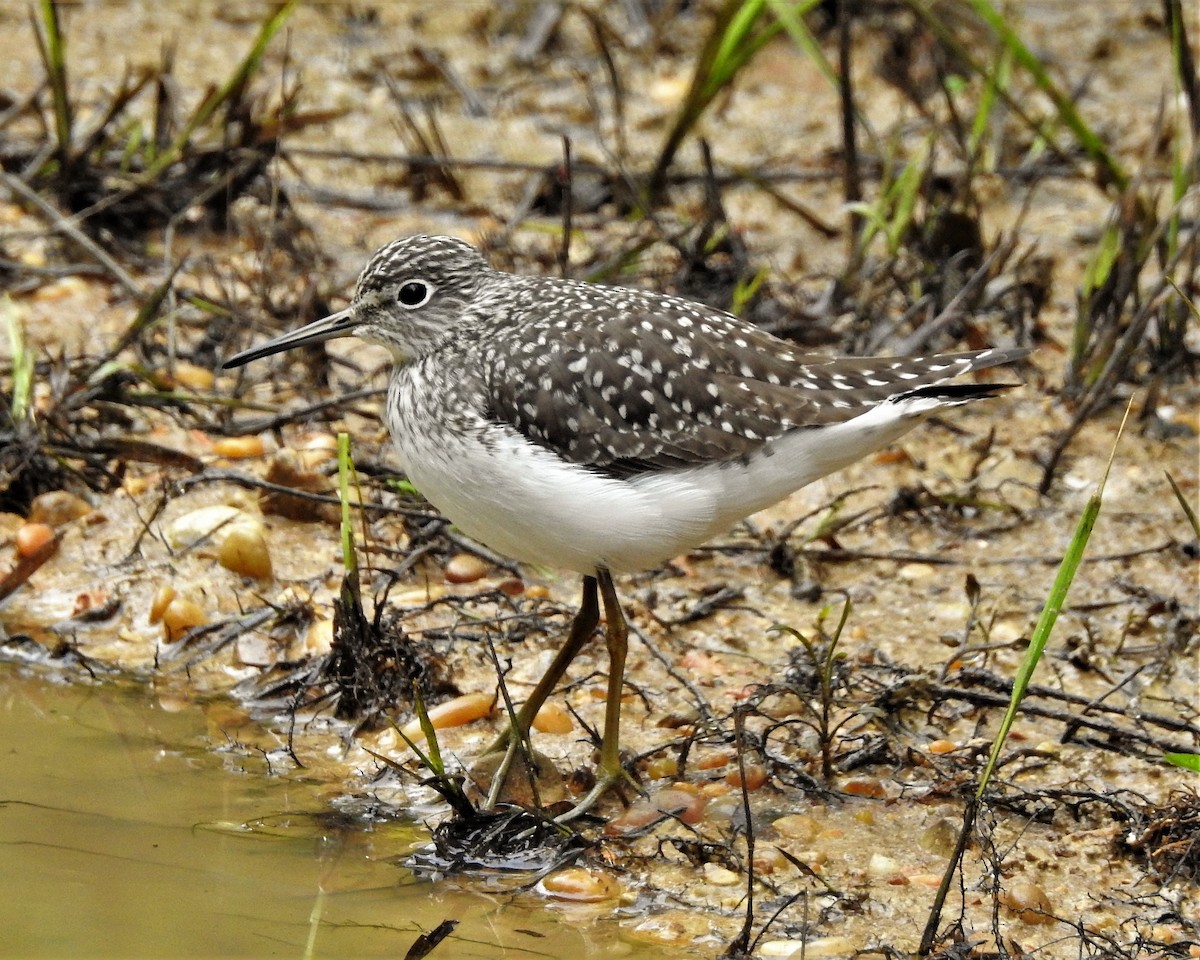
(414, 293)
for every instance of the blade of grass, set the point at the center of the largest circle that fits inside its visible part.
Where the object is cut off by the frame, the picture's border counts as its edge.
(433, 761)
(1053, 607)
(745, 290)
(1187, 507)
(1088, 139)
(790, 17)
(1188, 761)
(892, 212)
(226, 93)
(21, 403)
(739, 31)
(1037, 645)
(52, 48)
(995, 82)
(1096, 274)
(349, 556)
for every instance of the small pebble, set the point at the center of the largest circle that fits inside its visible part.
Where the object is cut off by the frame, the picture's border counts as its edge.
(455, 712)
(243, 549)
(892, 455)
(780, 948)
(60, 290)
(769, 860)
(318, 641)
(864, 787)
(939, 837)
(162, 599)
(797, 826)
(662, 931)
(194, 525)
(674, 800)
(465, 568)
(32, 538)
(192, 376)
(720, 876)
(881, 866)
(92, 603)
(538, 784)
(756, 777)
(916, 571)
(942, 746)
(58, 507)
(712, 761)
(239, 448)
(180, 616)
(316, 449)
(1027, 901)
(816, 947)
(135, 486)
(552, 718)
(714, 790)
(659, 768)
(580, 885)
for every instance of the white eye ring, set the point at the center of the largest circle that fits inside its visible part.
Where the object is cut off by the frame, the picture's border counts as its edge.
(414, 293)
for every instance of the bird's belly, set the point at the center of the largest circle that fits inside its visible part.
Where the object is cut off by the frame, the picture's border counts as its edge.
(525, 502)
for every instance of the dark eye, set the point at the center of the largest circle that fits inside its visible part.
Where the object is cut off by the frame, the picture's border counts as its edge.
(414, 293)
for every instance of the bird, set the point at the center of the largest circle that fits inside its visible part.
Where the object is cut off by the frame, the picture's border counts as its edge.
(606, 429)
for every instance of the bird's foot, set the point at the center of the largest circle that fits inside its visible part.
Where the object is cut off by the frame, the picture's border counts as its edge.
(530, 779)
(605, 781)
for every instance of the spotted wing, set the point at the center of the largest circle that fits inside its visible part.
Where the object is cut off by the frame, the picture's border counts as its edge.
(657, 382)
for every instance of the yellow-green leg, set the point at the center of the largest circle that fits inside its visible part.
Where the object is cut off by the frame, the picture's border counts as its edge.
(581, 631)
(616, 635)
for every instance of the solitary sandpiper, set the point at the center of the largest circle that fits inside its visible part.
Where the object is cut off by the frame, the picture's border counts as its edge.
(606, 429)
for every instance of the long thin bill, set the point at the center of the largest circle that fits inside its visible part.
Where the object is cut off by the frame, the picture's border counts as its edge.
(340, 324)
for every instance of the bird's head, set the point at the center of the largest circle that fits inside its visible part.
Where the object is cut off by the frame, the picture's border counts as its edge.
(409, 297)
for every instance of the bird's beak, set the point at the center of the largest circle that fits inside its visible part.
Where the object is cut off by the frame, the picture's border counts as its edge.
(340, 324)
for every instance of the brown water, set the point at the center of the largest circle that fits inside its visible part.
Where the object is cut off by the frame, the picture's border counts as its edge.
(125, 833)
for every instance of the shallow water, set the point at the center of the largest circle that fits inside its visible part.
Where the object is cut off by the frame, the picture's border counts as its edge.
(125, 833)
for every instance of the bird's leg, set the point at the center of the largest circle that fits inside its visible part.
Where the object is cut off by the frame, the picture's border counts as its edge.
(616, 635)
(581, 631)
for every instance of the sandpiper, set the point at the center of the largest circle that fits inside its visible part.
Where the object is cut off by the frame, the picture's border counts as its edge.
(605, 429)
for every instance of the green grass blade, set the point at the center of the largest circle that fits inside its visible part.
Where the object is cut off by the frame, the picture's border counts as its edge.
(434, 760)
(790, 17)
(745, 290)
(995, 83)
(228, 91)
(345, 469)
(21, 403)
(1188, 761)
(904, 195)
(1096, 274)
(1053, 607)
(1088, 139)
(731, 48)
(739, 31)
(1187, 507)
(54, 55)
